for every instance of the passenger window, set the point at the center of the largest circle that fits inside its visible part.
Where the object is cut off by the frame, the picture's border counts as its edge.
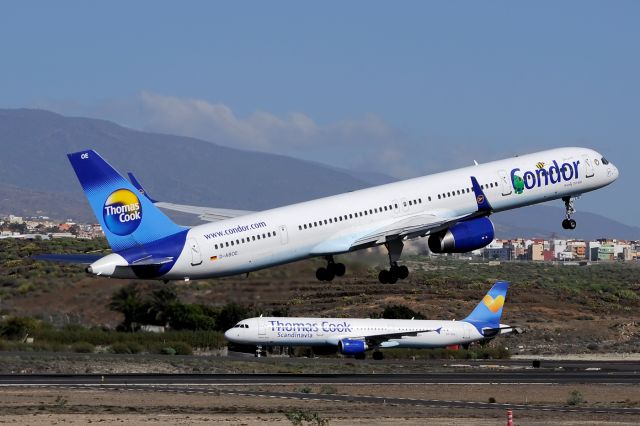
(242, 240)
(385, 208)
(325, 221)
(410, 203)
(305, 226)
(350, 216)
(227, 243)
(231, 242)
(216, 247)
(237, 241)
(429, 198)
(264, 236)
(605, 161)
(420, 200)
(315, 223)
(274, 233)
(253, 238)
(269, 234)
(370, 211)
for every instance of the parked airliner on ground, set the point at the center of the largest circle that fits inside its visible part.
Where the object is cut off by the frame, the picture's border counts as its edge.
(451, 208)
(352, 336)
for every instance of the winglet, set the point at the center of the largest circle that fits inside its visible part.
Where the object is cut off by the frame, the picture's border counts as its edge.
(139, 187)
(481, 199)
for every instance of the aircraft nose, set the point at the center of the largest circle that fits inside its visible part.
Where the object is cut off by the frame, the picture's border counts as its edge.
(227, 334)
(613, 172)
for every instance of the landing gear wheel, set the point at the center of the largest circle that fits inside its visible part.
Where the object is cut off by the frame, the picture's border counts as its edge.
(393, 277)
(568, 223)
(402, 272)
(331, 271)
(324, 274)
(377, 355)
(384, 276)
(338, 269)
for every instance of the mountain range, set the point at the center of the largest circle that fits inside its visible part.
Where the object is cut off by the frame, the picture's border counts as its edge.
(36, 178)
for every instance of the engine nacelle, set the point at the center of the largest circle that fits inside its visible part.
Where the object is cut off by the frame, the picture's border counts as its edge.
(463, 237)
(352, 347)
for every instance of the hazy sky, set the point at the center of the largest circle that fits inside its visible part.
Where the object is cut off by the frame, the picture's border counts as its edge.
(403, 88)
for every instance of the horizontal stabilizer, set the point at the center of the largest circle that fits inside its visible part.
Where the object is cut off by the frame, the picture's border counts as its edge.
(77, 258)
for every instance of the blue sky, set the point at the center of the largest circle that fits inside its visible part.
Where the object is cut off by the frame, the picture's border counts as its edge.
(403, 88)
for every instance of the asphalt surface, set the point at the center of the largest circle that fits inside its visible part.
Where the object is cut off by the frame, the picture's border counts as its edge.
(485, 376)
(624, 373)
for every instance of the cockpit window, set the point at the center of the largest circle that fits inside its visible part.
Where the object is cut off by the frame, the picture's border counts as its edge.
(605, 161)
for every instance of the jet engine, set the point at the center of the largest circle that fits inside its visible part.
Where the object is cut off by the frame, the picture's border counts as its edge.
(352, 347)
(463, 237)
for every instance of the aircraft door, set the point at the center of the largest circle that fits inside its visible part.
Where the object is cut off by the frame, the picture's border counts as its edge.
(588, 166)
(465, 331)
(284, 236)
(196, 256)
(396, 211)
(507, 187)
(262, 327)
(404, 205)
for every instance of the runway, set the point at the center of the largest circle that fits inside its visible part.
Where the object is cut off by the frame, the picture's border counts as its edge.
(530, 376)
(214, 386)
(243, 385)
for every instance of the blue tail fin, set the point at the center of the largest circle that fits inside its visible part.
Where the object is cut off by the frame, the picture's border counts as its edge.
(489, 310)
(127, 218)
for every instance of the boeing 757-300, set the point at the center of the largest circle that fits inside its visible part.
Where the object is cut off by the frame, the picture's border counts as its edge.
(451, 209)
(353, 336)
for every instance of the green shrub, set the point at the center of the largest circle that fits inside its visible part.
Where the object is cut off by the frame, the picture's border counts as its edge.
(83, 347)
(182, 348)
(120, 348)
(575, 398)
(167, 350)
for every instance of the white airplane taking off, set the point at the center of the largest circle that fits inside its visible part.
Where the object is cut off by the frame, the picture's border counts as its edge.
(450, 208)
(355, 336)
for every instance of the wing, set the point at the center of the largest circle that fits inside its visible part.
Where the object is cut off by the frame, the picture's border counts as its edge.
(424, 224)
(379, 340)
(382, 340)
(208, 214)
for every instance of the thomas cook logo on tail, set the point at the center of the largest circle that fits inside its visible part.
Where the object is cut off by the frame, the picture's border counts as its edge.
(494, 305)
(122, 212)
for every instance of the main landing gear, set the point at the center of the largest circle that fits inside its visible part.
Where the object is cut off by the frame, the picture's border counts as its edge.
(568, 222)
(332, 270)
(395, 272)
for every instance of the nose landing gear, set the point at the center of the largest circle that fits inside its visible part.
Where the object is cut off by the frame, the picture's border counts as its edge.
(331, 271)
(568, 222)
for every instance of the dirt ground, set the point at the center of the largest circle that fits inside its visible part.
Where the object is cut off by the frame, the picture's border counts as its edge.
(39, 406)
